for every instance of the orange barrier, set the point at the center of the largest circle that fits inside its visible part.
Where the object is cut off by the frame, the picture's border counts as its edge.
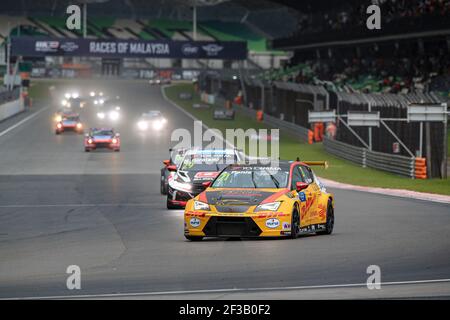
(310, 137)
(421, 168)
(259, 116)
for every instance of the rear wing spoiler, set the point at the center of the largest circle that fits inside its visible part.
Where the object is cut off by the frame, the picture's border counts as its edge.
(317, 163)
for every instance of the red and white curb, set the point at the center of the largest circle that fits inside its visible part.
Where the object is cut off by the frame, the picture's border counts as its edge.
(389, 192)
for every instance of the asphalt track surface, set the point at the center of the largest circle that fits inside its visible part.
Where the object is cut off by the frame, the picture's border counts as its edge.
(102, 211)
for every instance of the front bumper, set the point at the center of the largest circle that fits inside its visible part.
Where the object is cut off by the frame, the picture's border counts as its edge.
(102, 145)
(245, 225)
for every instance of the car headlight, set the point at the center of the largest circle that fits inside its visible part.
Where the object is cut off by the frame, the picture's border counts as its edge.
(92, 94)
(101, 115)
(67, 95)
(198, 205)
(157, 125)
(143, 125)
(58, 118)
(272, 206)
(114, 115)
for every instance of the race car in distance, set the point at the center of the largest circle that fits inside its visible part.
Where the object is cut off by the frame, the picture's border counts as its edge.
(199, 166)
(69, 122)
(153, 120)
(104, 138)
(61, 112)
(248, 201)
(175, 158)
(108, 113)
(223, 114)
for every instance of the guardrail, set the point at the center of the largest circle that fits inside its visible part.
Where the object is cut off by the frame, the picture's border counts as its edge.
(401, 165)
(346, 151)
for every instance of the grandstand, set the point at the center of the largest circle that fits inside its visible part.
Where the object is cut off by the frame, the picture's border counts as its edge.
(228, 21)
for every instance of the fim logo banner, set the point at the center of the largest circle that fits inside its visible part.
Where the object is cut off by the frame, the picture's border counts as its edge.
(374, 279)
(74, 280)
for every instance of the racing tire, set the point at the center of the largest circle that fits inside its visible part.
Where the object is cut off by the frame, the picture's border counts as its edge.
(87, 150)
(295, 223)
(163, 187)
(57, 132)
(329, 225)
(194, 238)
(116, 150)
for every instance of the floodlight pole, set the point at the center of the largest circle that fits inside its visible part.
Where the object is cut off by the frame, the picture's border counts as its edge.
(8, 59)
(194, 20)
(84, 20)
(421, 139)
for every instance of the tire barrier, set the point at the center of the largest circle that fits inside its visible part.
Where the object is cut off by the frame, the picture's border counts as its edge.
(421, 168)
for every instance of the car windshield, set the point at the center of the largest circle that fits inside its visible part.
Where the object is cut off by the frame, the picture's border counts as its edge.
(207, 162)
(152, 114)
(102, 133)
(71, 118)
(252, 177)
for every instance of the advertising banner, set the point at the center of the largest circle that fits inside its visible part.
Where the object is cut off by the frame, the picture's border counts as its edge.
(115, 48)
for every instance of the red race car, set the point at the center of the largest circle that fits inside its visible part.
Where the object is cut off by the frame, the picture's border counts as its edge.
(69, 122)
(102, 138)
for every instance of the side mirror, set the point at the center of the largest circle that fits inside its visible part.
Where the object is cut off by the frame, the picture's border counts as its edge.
(117, 134)
(172, 168)
(300, 186)
(207, 184)
(87, 135)
(166, 162)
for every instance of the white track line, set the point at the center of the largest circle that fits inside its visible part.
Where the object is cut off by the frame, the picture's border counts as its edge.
(233, 290)
(31, 116)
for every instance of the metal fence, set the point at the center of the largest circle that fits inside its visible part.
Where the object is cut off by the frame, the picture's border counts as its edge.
(400, 165)
(346, 151)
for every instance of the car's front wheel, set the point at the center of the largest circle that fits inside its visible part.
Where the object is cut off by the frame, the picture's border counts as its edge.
(163, 187)
(329, 225)
(295, 223)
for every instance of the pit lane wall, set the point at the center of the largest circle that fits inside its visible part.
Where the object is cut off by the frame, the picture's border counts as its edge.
(10, 103)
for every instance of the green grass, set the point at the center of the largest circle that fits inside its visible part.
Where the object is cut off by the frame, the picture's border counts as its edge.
(291, 148)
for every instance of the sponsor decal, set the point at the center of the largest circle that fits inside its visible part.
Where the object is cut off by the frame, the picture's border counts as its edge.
(46, 46)
(69, 46)
(212, 49)
(205, 175)
(272, 223)
(302, 196)
(189, 49)
(286, 226)
(195, 222)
